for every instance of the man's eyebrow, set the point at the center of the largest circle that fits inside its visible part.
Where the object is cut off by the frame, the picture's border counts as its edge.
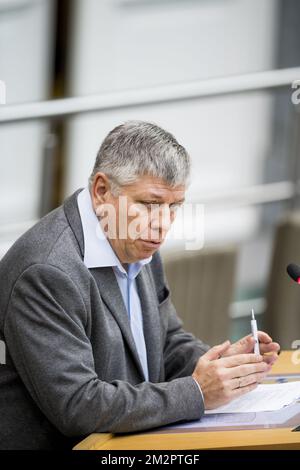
(151, 196)
(181, 201)
(157, 197)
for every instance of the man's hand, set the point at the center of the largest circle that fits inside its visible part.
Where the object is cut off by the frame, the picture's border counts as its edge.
(223, 379)
(267, 347)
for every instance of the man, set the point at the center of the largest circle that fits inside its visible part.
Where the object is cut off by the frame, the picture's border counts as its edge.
(93, 342)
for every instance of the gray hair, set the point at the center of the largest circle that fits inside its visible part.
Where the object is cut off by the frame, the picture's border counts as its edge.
(138, 148)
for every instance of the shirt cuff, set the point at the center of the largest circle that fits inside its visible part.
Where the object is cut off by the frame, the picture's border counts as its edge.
(200, 392)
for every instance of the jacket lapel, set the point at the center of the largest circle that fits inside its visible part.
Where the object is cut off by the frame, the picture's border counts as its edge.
(151, 323)
(112, 297)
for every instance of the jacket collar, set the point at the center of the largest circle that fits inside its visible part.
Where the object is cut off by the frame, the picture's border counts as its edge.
(71, 210)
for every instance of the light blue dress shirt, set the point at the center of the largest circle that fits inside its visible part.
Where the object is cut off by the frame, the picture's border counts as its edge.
(99, 253)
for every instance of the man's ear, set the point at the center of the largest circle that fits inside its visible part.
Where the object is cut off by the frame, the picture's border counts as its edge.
(100, 188)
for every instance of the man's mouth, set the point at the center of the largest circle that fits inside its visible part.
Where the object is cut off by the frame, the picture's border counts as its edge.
(151, 243)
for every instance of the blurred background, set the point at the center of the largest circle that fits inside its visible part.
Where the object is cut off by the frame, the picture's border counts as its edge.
(217, 74)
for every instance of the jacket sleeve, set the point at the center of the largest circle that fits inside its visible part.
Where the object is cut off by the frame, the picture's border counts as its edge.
(45, 333)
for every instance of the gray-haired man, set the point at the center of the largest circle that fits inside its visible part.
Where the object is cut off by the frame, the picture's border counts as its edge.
(93, 342)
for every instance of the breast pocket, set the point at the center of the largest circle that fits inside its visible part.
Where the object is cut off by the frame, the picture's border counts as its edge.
(163, 307)
(163, 296)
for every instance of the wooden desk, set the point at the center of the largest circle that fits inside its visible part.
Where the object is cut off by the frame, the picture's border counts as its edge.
(281, 438)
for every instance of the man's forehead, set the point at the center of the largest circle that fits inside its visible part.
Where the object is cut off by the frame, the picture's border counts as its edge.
(156, 188)
(160, 195)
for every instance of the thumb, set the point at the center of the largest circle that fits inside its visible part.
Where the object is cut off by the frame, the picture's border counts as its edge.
(216, 351)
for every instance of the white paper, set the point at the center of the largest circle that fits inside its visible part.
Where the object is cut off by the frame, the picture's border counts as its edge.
(266, 397)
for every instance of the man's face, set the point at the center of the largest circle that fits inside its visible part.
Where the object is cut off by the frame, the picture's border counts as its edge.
(136, 221)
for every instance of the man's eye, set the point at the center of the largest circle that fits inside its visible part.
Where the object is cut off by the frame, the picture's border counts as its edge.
(150, 204)
(146, 204)
(157, 205)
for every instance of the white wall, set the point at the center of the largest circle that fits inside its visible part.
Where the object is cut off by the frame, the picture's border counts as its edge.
(25, 56)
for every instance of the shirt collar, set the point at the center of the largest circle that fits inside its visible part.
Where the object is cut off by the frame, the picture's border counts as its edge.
(98, 252)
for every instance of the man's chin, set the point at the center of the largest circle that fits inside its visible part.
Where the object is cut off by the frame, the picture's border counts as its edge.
(145, 249)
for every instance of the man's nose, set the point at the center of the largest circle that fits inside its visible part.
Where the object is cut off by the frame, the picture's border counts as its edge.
(161, 219)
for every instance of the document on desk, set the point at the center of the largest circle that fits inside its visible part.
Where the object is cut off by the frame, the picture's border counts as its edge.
(266, 397)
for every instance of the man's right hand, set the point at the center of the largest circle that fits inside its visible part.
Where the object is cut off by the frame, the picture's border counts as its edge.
(223, 379)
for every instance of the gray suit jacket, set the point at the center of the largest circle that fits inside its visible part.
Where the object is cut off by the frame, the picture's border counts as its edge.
(71, 363)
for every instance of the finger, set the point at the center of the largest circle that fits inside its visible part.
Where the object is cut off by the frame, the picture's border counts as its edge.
(264, 337)
(269, 347)
(270, 358)
(216, 351)
(237, 392)
(241, 382)
(244, 345)
(240, 359)
(248, 369)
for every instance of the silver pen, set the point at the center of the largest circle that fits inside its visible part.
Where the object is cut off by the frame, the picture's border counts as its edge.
(254, 333)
